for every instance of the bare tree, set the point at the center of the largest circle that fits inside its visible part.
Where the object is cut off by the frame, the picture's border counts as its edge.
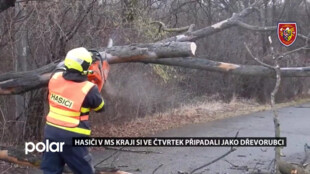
(64, 25)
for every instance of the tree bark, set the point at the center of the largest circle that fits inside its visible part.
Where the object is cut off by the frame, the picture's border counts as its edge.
(20, 82)
(21, 64)
(230, 68)
(137, 52)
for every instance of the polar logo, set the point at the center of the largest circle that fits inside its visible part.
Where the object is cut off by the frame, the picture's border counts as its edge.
(44, 147)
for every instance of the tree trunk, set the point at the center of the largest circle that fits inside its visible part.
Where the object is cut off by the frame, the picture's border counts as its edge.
(5, 4)
(21, 64)
(20, 82)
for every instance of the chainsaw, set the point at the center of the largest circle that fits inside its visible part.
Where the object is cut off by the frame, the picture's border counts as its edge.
(99, 69)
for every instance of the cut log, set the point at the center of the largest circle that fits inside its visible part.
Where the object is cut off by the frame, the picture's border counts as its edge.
(137, 52)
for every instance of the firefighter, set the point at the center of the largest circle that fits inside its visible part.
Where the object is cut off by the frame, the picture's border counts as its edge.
(71, 97)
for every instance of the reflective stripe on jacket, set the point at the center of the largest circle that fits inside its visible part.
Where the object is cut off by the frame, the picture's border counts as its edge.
(65, 102)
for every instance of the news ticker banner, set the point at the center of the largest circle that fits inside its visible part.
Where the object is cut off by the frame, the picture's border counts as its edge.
(180, 141)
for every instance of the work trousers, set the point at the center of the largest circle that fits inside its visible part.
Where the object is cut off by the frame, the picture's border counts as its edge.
(78, 160)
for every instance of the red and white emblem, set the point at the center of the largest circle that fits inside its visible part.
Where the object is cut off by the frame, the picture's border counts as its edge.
(287, 33)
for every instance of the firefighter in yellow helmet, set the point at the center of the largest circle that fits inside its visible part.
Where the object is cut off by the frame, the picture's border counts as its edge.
(71, 97)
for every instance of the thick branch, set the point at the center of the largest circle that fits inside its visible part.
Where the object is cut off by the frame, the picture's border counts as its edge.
(163, 27)
(248, 70)
(20, 82)
(222, 25)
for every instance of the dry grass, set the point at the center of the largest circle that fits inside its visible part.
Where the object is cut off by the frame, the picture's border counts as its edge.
(190, 114)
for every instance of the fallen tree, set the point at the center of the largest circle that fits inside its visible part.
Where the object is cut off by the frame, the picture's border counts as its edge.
(173, 51)
(230, 68)
(20, 82)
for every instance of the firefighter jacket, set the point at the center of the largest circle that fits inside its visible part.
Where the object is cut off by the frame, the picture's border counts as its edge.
(71, 97)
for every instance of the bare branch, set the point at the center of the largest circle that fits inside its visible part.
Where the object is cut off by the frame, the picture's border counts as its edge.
(215, 160)
(163, 27)
(255, 28)
(108, 157)
(232, 149)
(79, 21)
(157, 168)
(256, 59)
(191, 28)
(293, 51)
(227, 23)
(264, 29)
